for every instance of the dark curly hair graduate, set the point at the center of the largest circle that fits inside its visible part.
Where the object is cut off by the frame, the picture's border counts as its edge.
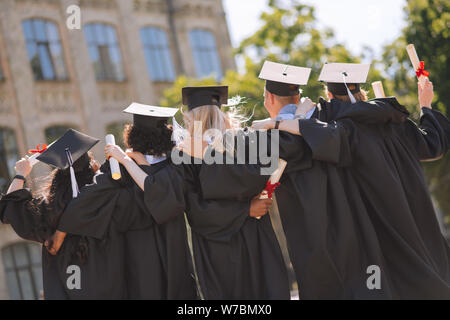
(154, 141)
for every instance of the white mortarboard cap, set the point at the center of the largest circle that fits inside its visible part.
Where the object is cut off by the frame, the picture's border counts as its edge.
(333, 72)
(284, 79)
(149, 116)
(344, 78)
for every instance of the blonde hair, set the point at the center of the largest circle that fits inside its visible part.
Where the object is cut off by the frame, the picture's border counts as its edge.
(214, 120)
(359, 96)
(212, 117)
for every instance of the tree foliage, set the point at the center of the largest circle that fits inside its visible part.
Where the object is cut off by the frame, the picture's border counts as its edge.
(289, 34)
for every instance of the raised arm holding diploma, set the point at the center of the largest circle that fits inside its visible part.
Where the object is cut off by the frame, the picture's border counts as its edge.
(419, 66)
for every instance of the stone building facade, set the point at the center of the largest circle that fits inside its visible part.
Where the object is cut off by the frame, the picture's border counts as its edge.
(52, 78)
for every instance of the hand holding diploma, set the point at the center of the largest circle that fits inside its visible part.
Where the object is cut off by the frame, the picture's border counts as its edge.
(419, 66)
(274, 181)
(114, 164)
(36, 153)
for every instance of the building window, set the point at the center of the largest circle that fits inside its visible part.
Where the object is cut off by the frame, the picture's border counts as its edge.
(104, 51)
(157, 54)
(205, 54)
(23, 268)
(44, 49)
(9, 155)
(55, 132)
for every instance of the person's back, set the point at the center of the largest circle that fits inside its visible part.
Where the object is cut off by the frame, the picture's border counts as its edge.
(156, 257)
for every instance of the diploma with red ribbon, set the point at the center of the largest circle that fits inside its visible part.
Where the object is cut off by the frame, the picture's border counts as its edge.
(36, 152)
(273, 182)
(419, 66)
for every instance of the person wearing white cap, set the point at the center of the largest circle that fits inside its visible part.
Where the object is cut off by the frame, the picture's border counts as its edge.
(282, 91)
(157, 261)
(383, 179)
(311, 200)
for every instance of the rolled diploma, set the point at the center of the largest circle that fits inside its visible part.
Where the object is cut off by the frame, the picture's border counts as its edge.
(274, 178)
(378, 89)
(32, 159)
(414, 60)
(114, 164)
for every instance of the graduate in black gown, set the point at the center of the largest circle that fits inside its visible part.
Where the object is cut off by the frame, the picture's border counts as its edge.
(236, 256)
(157, 259)
(318, 237)
(331, 238)
(84, 268)
(379, 166)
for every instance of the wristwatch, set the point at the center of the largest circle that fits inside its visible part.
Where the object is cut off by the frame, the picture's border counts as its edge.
(277, 124)
(18, 176)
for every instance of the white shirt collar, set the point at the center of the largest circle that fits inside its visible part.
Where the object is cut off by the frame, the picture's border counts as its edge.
(154, 159)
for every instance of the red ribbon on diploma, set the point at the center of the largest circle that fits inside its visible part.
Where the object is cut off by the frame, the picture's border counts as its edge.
(270, 188)
(421, 70)
(39, 148)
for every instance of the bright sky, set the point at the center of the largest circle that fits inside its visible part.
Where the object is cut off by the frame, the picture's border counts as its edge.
(356, 23)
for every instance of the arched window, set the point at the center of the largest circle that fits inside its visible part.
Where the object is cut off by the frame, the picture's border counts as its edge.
(116, 129)
(9, 154)
(54, 132)
(44, 49)
(104, 51)
(157, 54)
(23, 269)
(205, 54)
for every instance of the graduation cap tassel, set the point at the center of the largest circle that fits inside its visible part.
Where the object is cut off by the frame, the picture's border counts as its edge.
(352, 98)
(73, 180)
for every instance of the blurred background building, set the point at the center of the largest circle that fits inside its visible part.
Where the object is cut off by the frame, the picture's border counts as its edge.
(53, 78)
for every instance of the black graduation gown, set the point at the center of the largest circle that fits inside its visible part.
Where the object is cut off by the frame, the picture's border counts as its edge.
(101, 273)
(329, 246)
(384, 165)
(236, 256)
(156, 256)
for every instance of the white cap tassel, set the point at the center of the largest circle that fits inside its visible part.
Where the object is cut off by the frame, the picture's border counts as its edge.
(73, 180)
(352, 98)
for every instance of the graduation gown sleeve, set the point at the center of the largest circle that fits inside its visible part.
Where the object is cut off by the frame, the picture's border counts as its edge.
(91, 212)
(246, 180)
(431, 139)
(216, 220)
(329, 142)
(15, 209)
(164, 193)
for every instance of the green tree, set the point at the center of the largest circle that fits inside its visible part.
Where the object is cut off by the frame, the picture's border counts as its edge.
(289, 34)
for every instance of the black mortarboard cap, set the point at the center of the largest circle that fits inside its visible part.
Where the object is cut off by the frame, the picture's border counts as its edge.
(194, 97)
(77, 143)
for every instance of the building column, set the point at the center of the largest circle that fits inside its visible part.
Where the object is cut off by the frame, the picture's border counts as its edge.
(84, 77)
(138, 77)
(21, 75)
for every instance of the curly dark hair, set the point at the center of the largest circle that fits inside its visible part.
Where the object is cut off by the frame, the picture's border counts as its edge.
(54, 196)
(152, 141)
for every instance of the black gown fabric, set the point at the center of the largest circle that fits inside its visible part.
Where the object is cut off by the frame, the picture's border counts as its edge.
(331, 236)
(236, 256)
(100, 273)
(383, 163)
(156, 257)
